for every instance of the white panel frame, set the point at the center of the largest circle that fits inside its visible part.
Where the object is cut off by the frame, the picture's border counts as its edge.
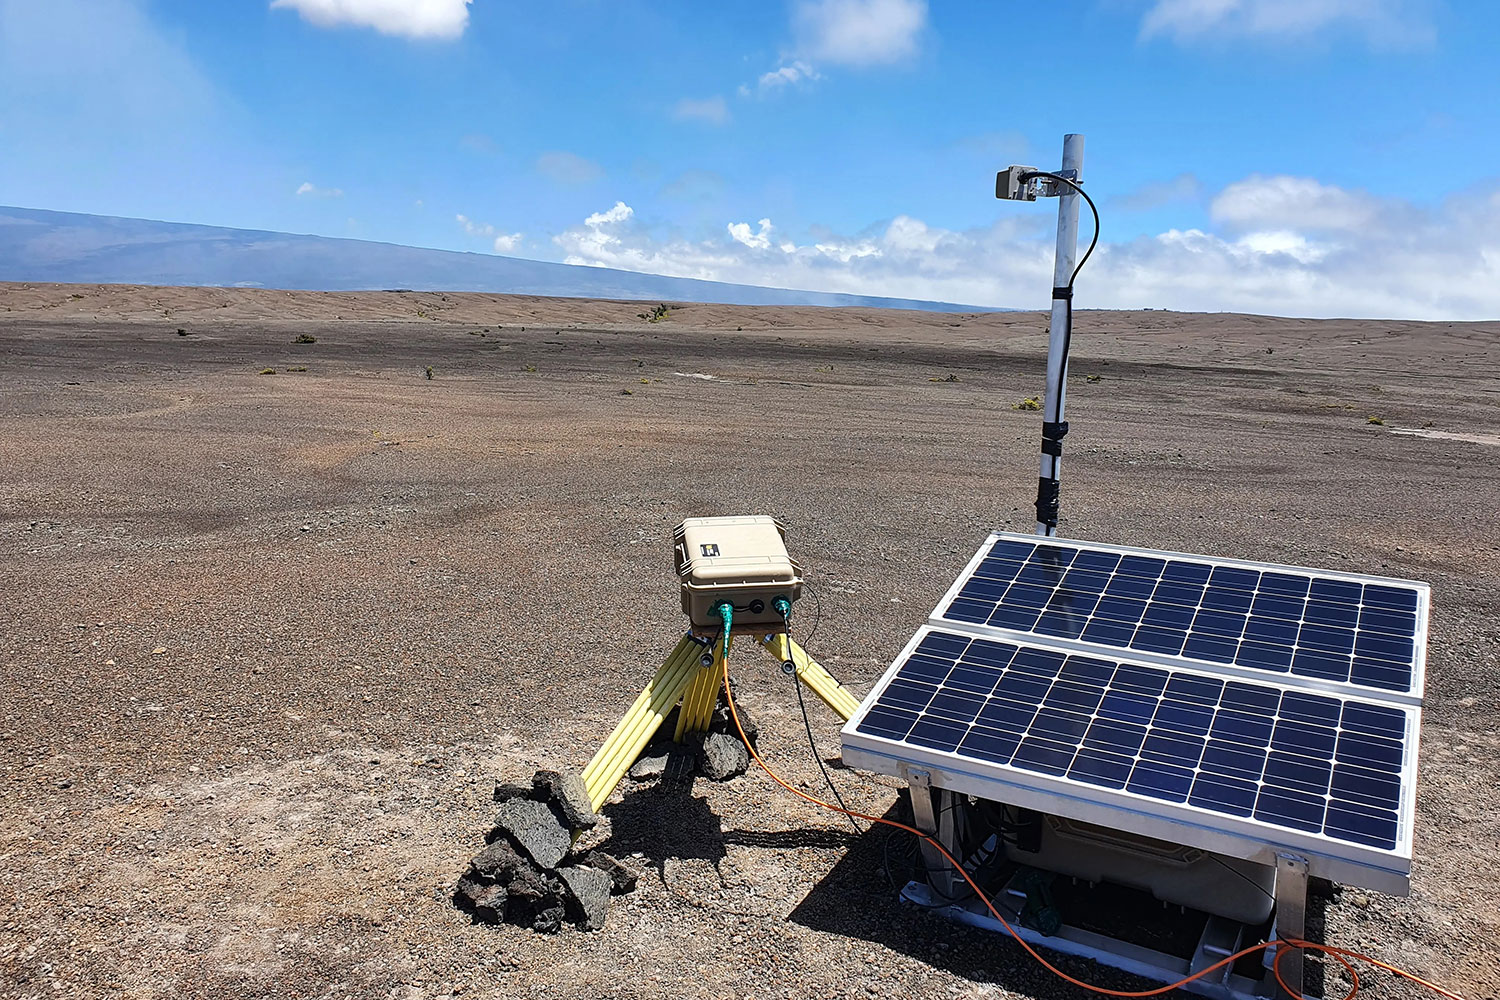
(1179, 823)
(1341, 688)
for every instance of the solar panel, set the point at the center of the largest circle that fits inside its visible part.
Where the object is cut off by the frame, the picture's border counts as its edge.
(1361, 631)
(1022, 688)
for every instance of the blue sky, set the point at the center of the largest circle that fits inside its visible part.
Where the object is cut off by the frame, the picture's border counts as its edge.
(1304, 157)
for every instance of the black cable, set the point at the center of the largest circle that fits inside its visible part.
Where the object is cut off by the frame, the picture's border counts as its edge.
(1092, 208)
(1242, 875)
(817, 612)
(1068, 323)
(817, 620)
(811, 742)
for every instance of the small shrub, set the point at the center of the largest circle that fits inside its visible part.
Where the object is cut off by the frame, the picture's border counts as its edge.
(268, 371)
(1093, 378)
(626, 392)
(428, 372)
(1375, 420)
(1029, 403)
(181, 332)
(304, 338)
(531, 368)
(656, 313)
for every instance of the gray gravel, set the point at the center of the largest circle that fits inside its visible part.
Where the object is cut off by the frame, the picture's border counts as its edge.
(269, 641)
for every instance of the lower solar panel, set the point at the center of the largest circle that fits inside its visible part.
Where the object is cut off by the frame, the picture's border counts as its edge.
(1273, 762)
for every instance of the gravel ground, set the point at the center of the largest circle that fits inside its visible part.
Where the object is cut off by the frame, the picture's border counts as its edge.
(268, 640)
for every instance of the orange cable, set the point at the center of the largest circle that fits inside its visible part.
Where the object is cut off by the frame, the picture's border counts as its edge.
(1283, 946)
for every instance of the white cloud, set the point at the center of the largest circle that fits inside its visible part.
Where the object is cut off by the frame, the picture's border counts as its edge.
(741, 232)
(712, 110)
(475, 228)
(1284, 241)
(786, 75)
(1385, 23)
(568, 168)
(310, 190)
(503, 242)
(859, 32)
(619, 213)
(1288, 246)
(441, 19)
(1295, 203)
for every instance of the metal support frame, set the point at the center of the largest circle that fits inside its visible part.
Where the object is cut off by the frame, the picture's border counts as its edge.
(926, 819)
(1291, 920)
(690, 677)
(1219, 939)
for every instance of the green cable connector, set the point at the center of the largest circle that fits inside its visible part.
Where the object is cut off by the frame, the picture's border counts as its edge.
(783, 607)
(726, 612)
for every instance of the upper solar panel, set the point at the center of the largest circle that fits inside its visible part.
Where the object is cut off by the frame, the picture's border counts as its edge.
(1335, 630)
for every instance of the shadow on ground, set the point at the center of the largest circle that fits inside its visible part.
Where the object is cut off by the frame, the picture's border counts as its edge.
(860, 898)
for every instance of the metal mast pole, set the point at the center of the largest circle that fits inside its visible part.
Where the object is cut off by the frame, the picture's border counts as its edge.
(1053, 427)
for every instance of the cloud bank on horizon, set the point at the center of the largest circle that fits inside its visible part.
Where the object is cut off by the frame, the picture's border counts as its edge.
(1286, 245)
(1279, 156)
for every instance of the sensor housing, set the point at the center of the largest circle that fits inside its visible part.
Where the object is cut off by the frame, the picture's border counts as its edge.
(742, 560)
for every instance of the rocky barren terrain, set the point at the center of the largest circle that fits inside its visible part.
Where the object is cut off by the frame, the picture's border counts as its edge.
(267, 641)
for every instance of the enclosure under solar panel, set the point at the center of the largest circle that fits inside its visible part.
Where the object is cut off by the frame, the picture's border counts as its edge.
(1143, 734)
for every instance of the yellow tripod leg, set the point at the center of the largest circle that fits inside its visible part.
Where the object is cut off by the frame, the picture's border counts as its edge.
(819, 681)
(635, 730)
(701, 697)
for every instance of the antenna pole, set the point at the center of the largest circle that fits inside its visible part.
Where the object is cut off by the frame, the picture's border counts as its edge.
(1053, 427)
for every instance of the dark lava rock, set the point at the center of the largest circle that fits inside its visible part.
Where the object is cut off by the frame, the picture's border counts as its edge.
(588, 892)
(536, 829)
(548, 919)
(723, 721)
(622, 879)
(507, 790)
(667, 761)
(502, 863)
(722, 757)
(651, 764)
(485, 901)
(567, 791)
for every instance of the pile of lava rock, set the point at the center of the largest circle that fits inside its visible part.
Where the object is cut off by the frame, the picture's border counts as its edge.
(717, 755)
(528, 874)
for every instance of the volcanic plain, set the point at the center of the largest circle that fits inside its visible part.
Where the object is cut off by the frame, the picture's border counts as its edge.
(291, 579)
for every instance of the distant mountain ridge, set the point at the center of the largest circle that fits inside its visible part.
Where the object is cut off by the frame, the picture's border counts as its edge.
(41, 245)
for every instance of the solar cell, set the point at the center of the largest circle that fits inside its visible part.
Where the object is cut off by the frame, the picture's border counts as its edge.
(1274, 704)
(1365, 632)
(1292, 759)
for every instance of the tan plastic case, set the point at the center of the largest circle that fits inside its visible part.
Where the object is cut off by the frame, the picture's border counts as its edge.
(742, 560)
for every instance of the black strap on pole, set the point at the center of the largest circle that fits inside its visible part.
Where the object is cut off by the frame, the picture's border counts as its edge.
(1046, 501)
(1047, 488)
(1047, 497)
